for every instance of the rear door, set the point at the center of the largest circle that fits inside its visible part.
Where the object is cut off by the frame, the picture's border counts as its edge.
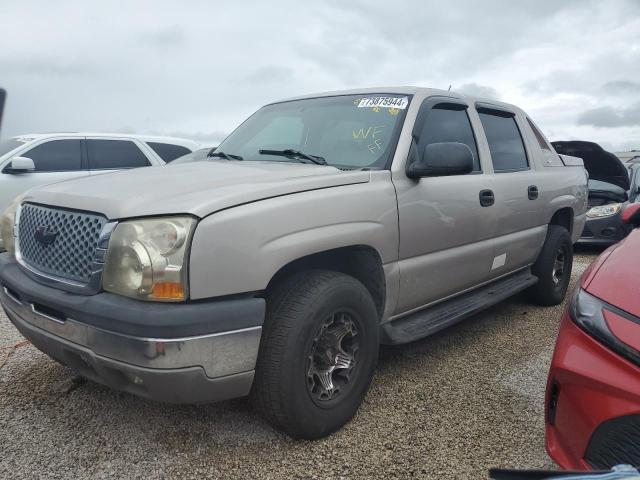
(446, 234)
(518, 206)
(54, 160)
(107, 155)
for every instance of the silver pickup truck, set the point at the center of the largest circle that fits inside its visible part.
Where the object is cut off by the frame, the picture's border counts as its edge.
(322, 227)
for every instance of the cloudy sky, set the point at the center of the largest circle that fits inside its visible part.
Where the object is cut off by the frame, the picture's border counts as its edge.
(197, 68)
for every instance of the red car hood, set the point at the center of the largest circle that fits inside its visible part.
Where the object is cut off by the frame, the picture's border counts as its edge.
(615, 279)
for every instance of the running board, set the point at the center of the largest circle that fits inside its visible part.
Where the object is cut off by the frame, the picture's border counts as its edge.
(433, 319)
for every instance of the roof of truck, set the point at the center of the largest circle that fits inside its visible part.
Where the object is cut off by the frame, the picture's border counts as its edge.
(403, 90)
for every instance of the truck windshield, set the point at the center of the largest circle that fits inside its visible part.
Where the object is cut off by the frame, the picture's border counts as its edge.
(348, 131)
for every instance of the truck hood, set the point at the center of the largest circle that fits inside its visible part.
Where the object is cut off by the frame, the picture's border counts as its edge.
(600, 164)
(198, 188)
(605, 191)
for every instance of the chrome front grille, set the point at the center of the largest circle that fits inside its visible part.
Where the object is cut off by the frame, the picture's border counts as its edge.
(58, 242)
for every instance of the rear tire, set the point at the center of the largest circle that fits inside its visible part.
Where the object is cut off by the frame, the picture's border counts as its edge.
(317, 355)
(553, 268)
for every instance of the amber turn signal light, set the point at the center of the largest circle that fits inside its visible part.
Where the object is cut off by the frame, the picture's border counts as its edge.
(168, 291)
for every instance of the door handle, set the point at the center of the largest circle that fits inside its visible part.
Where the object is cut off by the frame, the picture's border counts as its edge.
(487, 198)
(532, 192)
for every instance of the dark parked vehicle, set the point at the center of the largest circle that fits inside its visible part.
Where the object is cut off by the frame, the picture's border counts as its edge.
(634, 178)
(593, 390)
(609, 185)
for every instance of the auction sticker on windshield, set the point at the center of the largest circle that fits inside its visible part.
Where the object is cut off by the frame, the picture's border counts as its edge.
(384, 102)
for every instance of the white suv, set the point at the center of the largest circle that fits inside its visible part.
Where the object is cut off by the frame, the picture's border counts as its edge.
(31, 160)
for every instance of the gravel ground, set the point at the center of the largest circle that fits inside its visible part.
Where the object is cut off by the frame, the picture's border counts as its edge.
(449, 406)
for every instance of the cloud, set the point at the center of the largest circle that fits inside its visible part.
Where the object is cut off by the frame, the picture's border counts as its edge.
(205, 138)
(621, 87)
(611, 117)
(201, 69)
(170, 36)
(45, 67)
(270, 73)
(210, 138)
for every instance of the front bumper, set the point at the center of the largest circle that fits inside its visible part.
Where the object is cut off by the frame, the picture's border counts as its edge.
(191, 354)
(603, 231)
(595, 391)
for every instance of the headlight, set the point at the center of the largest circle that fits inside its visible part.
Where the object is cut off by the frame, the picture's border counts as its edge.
(7, 223)
(604, 210)
(146, 258)
(589, 313)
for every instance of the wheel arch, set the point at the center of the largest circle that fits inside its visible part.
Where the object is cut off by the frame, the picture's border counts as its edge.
(362, 262)
(563, 217)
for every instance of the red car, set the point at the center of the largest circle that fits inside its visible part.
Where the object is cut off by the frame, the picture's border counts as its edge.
(593, 390)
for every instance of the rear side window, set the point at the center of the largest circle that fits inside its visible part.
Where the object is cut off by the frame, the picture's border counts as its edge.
(539, 137)
(56, 156)
(505, 142)
(449, 123)
(114, 154)
(167, 151)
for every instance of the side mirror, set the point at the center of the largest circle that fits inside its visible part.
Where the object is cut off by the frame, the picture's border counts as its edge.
(631, 214)
(440, 159)
(21, 165)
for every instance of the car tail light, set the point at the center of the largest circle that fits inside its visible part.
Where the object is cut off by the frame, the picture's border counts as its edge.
(589, 313)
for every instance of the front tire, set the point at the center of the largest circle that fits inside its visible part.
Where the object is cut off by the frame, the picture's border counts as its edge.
(553, 268)
(317, 355)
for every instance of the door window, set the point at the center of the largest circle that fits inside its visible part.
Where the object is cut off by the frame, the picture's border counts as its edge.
(449, 123)
(56, 156)
(505, 142)
(115, 154)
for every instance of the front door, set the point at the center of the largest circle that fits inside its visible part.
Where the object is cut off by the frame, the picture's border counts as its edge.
(446, 234)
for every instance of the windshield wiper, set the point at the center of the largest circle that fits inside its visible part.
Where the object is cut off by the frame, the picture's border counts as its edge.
(291, 153)
(221, 154)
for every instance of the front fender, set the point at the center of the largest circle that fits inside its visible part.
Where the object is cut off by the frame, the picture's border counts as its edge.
(240, 249)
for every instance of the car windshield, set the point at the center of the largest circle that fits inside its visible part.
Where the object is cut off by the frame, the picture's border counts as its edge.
(9, 144)
(195, 156)
(349, 131)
